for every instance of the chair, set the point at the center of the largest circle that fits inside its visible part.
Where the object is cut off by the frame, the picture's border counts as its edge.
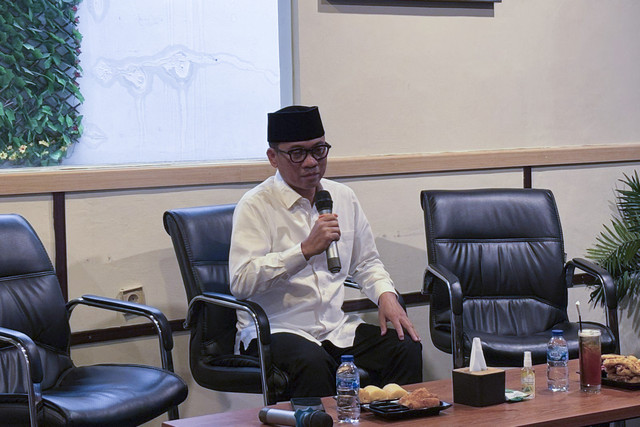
(201, 239)
(39, 384)
(496, 270)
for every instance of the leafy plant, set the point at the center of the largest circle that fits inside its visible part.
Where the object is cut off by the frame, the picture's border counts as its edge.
(39, 94)
(617, 248)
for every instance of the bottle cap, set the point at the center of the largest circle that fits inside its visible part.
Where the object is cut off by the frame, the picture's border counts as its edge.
(346, 358)
(527, 359)
(557, 332)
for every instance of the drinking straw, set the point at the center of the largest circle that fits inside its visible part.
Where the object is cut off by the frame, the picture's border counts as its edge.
(579, 317)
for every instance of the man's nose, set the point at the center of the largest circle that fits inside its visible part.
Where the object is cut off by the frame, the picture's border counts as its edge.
(309, 161)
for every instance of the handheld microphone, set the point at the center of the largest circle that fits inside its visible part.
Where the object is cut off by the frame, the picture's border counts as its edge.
(301, 418)
(324, 204)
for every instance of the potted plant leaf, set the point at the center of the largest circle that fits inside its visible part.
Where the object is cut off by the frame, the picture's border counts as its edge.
(617, 248)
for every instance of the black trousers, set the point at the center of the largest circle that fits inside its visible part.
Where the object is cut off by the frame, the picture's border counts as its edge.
(312, 368)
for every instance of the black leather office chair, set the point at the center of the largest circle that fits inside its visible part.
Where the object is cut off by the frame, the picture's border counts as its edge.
(496, 270)
(39, 384)
(201, 239)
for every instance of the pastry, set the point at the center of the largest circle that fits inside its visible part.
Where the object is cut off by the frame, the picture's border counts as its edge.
(419, 399)
(621, 368)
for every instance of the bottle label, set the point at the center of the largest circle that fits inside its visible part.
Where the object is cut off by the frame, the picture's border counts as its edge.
(348, 384)
(558, 354)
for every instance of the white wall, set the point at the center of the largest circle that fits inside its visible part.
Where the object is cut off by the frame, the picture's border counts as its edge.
(536, 73)
(533, 73)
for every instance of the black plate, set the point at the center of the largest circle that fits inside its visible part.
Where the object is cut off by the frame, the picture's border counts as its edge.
(391, 410)
(365, 406)
(620, 384)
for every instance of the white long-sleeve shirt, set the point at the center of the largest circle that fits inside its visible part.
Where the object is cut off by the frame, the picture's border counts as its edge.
(266, 264)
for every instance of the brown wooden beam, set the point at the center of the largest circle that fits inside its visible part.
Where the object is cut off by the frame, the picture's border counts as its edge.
(120, 333)
(76, 179)
(60, 234)
(526, 177)
(134, 331)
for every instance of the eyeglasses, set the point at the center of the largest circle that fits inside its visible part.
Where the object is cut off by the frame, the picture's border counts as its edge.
(298, 155)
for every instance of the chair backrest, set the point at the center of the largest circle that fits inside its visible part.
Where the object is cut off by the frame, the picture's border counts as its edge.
(201, 239)
(506, 247)
(31, 302)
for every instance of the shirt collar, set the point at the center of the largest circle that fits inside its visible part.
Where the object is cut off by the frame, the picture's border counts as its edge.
(288, 195)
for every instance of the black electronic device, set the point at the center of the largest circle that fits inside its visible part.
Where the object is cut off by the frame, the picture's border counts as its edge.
(303, 403)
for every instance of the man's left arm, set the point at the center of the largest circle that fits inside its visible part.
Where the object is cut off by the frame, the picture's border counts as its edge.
(368, 271)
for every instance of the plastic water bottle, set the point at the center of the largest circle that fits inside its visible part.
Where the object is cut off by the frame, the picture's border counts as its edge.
(348, 389)
(557, 362)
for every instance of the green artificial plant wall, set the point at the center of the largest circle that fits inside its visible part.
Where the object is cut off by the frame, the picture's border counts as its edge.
(39, 93)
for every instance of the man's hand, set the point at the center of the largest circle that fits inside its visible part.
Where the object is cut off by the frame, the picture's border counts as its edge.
(390, 310)
(324, 231)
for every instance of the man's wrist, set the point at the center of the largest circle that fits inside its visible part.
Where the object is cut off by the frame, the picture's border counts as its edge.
(305, 251)
(387, 292)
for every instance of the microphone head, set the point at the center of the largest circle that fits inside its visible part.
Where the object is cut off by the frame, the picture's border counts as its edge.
(321, 419)
(311, 418)
(323, 201)
(262, 415)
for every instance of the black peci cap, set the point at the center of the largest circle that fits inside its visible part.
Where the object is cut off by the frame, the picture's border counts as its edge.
(294, 123)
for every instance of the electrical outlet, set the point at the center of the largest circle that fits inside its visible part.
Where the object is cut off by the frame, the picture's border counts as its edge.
(135, 294)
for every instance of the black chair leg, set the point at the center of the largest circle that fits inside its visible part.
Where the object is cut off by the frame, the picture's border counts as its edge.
(173, 413)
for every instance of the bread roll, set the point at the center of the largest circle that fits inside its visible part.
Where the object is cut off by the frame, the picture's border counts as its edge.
(371, 393)
(394, 391)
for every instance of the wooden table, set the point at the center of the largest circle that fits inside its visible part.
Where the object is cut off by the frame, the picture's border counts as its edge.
(572, 408)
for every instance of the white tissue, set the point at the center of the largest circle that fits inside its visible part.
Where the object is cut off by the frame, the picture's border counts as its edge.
(477, 362)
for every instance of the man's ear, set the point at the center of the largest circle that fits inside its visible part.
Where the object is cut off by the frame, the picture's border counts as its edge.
(273, 157)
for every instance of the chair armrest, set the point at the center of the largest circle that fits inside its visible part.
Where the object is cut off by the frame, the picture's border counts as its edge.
(27, 348)
(152, 313)
(443, 274)
(594, 270)
(29, 352)
(256, 312)
(440, 272)
(263, 332)
(159, 320)
(608, 285)
(349, 283)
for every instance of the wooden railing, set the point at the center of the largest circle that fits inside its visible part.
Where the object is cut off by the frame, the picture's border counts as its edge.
(106, 178)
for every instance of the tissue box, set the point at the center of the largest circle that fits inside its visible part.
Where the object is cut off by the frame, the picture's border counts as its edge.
(481, 388)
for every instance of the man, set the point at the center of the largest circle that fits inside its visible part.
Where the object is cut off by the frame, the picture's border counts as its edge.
(278, 260)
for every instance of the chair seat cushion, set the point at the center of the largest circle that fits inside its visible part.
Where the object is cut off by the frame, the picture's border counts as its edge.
(238, 374)
(121, 395)
(233, 361)
(507, 350)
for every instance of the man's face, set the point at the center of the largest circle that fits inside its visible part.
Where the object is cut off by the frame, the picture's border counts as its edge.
(303, 177)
